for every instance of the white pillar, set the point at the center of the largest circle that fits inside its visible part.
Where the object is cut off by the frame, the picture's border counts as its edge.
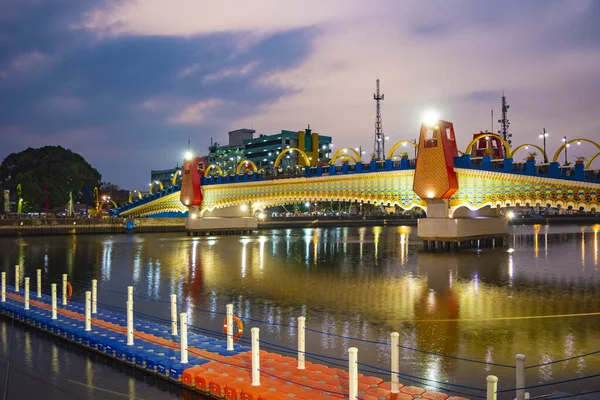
(3, 287)
(53, 286)
(88, 311)
(129, 323)
(520, 376)
(64, 288)
(301, 342)
(395, 367)
(16, 278)
(26, 293)
(130, 294)
(174, 314)
(94, 296)
(492, 386)
(183, 340)
(229, 308)
(255, 357)
(39, 283)
(353, 373)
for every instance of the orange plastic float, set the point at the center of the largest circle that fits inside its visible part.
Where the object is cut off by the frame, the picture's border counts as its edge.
(240, 328)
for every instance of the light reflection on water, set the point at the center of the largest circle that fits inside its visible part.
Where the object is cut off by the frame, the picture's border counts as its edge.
(364, 283)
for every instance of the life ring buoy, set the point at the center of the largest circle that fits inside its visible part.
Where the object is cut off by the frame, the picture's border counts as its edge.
(69, 290)
(240, 327)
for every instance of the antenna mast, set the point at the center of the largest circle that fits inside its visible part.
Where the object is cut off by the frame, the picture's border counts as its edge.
(504, 122)
(379, 143)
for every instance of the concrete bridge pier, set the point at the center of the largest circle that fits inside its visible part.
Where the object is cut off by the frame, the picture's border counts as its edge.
(464, 229)
(230, 220)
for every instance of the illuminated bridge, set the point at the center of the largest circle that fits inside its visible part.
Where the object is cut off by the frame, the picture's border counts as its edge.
(473, 182)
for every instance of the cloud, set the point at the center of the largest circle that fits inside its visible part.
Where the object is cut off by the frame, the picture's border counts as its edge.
(235, 72)
(196, 113)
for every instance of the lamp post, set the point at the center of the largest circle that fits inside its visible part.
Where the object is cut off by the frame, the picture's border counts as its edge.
(543, 136)
(415, 142)
(360, 151)
(566, 147)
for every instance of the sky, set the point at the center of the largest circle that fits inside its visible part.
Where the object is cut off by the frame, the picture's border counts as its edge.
(126, 83)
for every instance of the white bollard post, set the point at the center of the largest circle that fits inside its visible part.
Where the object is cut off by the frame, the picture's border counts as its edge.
(3, 287)
(353, 373)
(53, 286)
(64, 292)
(229, 308)
(129, 323)
(88, 311)
(94, 296)
(492, 386)
(395, 367)
(520, 376)
(301, 342)
(16, 278)
(26, 293)
(255, 357)
(174, 314)
(39, 283)
(183, 340)
(130, 293)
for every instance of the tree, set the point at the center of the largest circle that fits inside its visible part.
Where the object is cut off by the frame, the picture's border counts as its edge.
(59, 170)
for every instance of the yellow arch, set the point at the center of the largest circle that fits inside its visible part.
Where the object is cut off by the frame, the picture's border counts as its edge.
(160, 185)
(338, 154)
(106, 202)
(483, 135)
(532, 145)
(589, 163)
(245, 163)
(560, 149)
(394, 147)
(280, 156)
(176, 175)
(211, 167)
(133, 192)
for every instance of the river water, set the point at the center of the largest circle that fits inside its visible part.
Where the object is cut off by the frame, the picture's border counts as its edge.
(540, 296)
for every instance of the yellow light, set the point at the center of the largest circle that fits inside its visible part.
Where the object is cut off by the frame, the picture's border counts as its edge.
(430, 194)
(244, 207)
(261, 215)
(510, 215)
(194, 216)
(431, 118)
(187, 155)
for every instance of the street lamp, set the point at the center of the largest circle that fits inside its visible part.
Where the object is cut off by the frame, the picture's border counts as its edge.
(543, 136)
(566, 147)
(415, 143)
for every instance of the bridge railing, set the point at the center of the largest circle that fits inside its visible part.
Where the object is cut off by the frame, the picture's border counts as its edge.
(554, 170)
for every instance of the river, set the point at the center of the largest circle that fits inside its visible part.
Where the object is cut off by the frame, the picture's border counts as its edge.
(360, 283)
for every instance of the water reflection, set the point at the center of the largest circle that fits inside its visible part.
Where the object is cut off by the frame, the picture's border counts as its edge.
(365, 283)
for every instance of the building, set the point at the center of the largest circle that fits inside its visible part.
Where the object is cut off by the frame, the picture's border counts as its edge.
(164, 176)
(264, 149)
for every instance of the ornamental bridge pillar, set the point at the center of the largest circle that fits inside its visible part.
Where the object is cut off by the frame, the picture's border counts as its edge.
(435, 181)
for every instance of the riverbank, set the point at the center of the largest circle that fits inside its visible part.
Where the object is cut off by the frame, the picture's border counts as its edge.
(74, 226)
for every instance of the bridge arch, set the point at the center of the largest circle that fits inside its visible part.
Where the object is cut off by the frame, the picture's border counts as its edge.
(402, 142)
(108, 201)
(560, 149)
(287, 150)
(176, 175)
(245, 163)
(211, 167)
(133, 192)
(484, 135)
(345, 157)
(532, 145)
(159, 183)
(589, 163)
(341, 153)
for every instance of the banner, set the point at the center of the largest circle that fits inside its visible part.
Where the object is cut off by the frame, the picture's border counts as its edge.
(7, 201)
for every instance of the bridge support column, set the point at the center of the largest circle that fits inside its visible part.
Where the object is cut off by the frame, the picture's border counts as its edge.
(234, 219)
(442, 232)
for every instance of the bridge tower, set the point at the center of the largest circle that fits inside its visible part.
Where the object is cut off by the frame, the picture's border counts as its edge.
(435, 182)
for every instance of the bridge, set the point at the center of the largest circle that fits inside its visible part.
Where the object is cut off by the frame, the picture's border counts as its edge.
(441, 180)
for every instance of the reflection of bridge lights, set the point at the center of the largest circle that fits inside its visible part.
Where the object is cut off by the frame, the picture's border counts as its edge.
(511, 250)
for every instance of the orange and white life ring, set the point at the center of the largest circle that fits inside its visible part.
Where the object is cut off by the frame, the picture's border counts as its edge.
(240, 327)
(69, 290)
